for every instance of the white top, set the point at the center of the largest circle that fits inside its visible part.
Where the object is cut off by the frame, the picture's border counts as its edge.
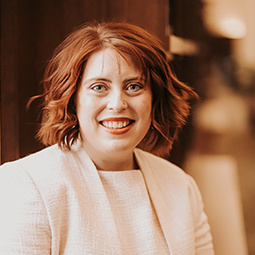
(137, 223)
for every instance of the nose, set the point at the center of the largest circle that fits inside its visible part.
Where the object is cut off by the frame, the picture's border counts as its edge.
(117, 101)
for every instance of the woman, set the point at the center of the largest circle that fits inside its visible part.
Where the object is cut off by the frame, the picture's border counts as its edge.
(110, 100)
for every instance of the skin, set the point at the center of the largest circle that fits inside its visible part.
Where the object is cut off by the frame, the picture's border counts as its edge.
(113, 109)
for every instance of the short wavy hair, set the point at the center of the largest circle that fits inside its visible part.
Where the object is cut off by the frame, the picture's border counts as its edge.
(63, 74)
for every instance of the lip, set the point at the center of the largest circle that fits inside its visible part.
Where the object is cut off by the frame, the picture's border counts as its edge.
(117, 131)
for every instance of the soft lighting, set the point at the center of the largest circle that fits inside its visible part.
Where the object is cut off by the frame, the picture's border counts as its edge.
(233, 28)
(182, 46)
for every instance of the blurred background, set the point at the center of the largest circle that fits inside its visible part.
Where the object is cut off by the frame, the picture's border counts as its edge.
(211, 44)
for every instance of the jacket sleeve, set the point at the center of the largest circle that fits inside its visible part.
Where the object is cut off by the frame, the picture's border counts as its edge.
(24, 225)
(203, 238)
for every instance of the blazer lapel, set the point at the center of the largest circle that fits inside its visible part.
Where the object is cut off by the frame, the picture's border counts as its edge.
(166, 201)
(99, 211)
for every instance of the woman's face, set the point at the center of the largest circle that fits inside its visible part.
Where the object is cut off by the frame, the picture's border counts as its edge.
(113, 105)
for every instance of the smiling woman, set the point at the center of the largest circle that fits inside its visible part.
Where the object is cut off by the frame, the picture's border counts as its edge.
(140, 49)
(110, 101)
(113, 108)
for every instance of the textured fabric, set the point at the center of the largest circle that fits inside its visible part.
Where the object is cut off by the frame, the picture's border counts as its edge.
(135, 218)
(53, 202)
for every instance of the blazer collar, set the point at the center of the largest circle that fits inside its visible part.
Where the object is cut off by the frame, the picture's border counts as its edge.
(164, 200)
(98, 204)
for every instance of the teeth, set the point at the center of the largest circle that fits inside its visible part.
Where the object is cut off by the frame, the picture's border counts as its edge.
(115, 124)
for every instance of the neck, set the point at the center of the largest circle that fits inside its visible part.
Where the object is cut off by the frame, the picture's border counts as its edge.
(114, 161)
(115, 166)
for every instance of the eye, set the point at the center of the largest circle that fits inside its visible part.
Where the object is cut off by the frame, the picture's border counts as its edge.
(134, 87)
(99, 88)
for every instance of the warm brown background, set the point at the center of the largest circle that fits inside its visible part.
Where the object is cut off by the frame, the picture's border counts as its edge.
(31, 30)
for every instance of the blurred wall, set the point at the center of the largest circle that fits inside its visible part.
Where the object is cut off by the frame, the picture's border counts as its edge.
(218, 145)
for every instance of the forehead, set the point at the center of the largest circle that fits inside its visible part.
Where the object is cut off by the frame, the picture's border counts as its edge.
(110, 60)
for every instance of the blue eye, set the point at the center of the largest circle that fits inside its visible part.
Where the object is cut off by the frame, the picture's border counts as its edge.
(134, 87)
(99, 88)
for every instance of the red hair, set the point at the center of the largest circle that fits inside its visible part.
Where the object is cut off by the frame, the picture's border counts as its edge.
(63, 74)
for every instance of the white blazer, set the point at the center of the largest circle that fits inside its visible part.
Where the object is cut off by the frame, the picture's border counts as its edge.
(53, 202)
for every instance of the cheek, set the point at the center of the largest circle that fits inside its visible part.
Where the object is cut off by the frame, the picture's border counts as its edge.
(146, 107)
(88, 109)
(82, 108)
(84, 101)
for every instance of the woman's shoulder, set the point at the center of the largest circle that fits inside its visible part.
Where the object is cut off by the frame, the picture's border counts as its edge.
(171, 178)
(44, 167)
(42, 156)
(46, 158)
(158, 164)
(47, 173)
(167, 174)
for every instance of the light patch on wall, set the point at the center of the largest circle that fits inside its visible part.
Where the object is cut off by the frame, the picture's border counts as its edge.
(233, 28)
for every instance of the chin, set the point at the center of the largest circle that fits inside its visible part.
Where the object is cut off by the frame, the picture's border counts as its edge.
(119, 148)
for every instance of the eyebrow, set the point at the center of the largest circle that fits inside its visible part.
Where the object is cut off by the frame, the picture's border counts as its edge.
(138, 78)
(96, 79)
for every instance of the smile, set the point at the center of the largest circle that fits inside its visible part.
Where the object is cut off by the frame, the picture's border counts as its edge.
(117, 125)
